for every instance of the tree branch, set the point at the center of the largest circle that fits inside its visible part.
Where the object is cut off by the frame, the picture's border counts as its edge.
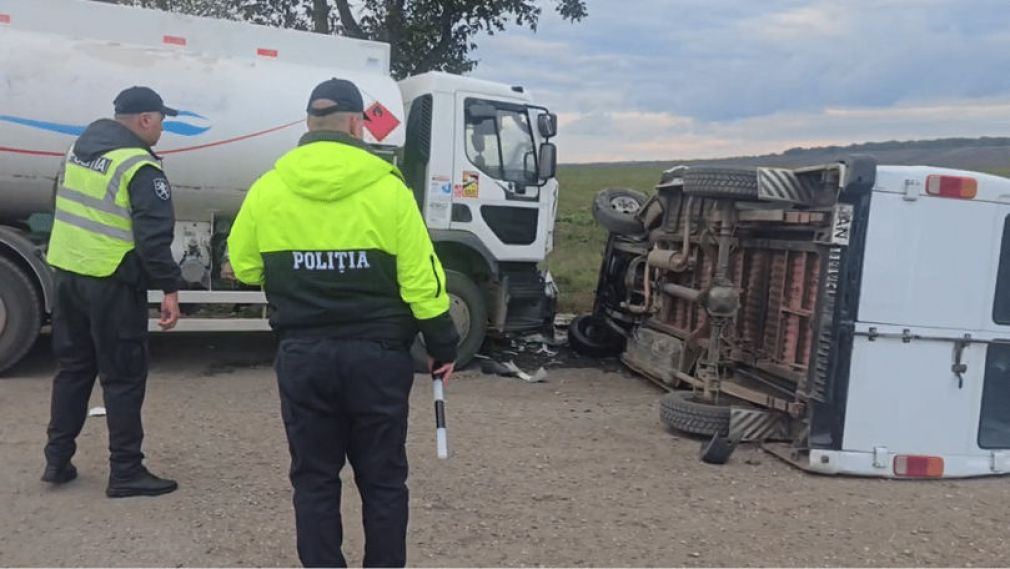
(438, 52)
(351, 26)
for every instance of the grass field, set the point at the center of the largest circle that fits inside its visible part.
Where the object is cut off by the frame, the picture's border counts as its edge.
(579, 241)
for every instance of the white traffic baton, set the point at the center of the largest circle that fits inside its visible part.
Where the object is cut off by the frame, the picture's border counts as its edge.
(441, 444)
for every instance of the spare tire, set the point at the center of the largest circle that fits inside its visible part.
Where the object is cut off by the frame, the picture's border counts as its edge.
(727, 183)
(681, 411)
(590, 336)
(617, 209)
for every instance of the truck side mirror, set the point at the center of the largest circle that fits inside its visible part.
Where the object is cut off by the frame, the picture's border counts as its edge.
(547, 124)
(548, 160)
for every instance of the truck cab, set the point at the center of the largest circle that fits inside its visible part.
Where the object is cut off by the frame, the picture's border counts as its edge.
(491, 202)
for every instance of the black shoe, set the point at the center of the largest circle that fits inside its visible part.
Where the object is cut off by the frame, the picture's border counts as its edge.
(59, 473)
(142, 484)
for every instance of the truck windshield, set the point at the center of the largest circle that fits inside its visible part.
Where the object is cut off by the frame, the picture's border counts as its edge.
(499, 141)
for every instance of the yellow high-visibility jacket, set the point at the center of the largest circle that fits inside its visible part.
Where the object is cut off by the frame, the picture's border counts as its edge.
(337, 241)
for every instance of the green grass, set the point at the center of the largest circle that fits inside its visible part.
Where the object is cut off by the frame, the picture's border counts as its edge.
(578, 240)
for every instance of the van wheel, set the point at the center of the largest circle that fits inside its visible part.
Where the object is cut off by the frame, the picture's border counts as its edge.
(468, 311)
(590, 336)
(616, 209)
(20, 314)
(681, 411)
(729, 183)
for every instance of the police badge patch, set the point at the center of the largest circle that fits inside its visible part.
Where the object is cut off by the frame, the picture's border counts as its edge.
(162, 189)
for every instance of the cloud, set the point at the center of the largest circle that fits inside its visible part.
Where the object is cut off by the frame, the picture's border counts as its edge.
(663, 136)
(805, 70)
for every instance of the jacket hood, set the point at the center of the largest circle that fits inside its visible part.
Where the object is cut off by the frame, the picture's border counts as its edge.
(105, 135)
(331, 166)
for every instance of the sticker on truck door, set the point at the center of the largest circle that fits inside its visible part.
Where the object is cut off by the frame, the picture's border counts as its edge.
(841, 224)
(470, 188)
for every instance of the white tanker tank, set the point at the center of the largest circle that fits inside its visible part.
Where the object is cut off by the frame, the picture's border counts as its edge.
(242, 91)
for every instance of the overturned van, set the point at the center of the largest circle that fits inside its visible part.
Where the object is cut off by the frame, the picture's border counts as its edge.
(855, 318)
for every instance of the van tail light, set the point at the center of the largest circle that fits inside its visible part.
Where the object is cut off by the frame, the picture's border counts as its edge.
(913, 466)
(951, 186)
(5, 18)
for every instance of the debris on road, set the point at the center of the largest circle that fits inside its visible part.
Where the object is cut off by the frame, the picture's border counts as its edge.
(510, 369)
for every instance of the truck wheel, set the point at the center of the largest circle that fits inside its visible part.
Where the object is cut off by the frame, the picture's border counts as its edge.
(468, 310)
(679, 410)
(729, 183)
(616, 210)
(20, 314)
(590, 336)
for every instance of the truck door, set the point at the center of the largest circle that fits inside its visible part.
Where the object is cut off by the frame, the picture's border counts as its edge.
(496, 185)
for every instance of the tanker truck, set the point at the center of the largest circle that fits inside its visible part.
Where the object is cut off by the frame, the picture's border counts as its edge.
(477, 155)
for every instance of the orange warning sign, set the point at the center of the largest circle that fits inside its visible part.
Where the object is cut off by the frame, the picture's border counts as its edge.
(379, 121)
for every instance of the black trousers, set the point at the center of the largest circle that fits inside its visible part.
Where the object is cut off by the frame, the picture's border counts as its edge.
(347, 398)
(99, 329)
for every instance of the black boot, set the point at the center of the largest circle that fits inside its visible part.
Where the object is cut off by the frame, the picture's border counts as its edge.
(142, 484)
(59, 473)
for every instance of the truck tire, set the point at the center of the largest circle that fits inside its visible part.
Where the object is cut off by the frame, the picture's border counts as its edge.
(20, 314)
(469, 312)
(728, 183)
(590, 336)
(679, 410)
(616, 210)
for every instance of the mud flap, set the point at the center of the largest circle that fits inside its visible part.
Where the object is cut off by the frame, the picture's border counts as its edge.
(749, 425)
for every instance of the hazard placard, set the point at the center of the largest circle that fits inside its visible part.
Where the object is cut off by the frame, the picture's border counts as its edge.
(380, 121)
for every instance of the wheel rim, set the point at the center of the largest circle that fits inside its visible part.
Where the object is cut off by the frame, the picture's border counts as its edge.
(3, 315)
(625, 204)
(460, 314)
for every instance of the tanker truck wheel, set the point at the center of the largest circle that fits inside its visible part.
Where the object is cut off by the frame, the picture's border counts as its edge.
(20, 314)
(468, 310)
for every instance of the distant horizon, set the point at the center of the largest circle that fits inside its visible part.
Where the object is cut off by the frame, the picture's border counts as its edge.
(1005, 141)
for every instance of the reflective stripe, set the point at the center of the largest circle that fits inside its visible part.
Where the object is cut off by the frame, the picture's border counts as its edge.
(113, 188)
(88, 201)
(95, 227)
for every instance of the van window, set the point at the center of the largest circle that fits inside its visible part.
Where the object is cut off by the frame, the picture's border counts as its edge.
(994, 419)
(1001, 304)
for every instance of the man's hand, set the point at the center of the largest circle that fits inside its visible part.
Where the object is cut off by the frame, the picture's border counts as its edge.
(227, 273)
(169, 311)
(445, 371)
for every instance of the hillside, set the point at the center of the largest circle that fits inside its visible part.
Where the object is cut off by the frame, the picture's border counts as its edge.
(987, 154)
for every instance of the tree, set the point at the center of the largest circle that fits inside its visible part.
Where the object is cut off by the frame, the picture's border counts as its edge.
(424, 35)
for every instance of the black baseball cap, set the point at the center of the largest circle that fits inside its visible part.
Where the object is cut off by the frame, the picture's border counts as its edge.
(141, 100)
(342, 92)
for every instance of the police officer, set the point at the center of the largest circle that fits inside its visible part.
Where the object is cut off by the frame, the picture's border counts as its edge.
(112, 231)
(337, 241)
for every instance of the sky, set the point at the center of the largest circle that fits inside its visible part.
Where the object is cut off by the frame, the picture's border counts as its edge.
(686, 79)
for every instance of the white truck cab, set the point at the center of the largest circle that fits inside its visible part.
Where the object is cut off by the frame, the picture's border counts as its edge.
(476, 153)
